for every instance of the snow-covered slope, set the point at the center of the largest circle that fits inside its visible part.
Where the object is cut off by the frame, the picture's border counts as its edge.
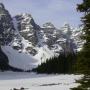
(19, 60)
(43, 54)
(29, 42)
(46, 41)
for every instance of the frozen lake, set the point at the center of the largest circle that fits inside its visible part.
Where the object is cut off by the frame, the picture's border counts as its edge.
(32, 81)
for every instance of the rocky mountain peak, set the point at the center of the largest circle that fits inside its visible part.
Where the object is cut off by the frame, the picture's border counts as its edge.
(26, 15)
(3, 11)
(66, 29)
(28, 38)
(66, 24)
(26, 21)
(1, 5)
(48, 25)
(6, 26)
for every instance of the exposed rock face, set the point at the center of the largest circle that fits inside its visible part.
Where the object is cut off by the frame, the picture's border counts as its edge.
(6, 35)
(51, 35)
(27, 27)
(26, 35)
(40, 42)
(34, 37)
(6, 26)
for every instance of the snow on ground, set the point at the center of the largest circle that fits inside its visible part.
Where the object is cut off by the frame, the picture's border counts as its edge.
(43, 54)
(32, 81)
(19, 60)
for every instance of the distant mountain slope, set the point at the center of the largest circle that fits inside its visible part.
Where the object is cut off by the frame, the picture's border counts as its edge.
(26, 44)
(19, 60)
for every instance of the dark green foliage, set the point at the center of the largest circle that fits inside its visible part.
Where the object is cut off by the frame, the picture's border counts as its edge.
(61, 64)
(85, 83)
(84, 7)
(83, 62)
(3, 61)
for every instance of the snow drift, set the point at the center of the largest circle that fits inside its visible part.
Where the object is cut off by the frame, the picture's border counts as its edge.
(19, 60)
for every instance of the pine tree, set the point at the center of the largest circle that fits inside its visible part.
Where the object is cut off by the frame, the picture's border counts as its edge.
(83, 64)
(61, 64)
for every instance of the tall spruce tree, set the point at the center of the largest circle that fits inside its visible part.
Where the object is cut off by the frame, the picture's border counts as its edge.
(61, 64)
(83, 62)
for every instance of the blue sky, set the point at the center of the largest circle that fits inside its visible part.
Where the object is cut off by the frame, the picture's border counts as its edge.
(55, 11)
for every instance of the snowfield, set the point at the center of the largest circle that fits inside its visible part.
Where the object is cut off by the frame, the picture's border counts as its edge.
(19, 60)
(32, 81)
(25, 61)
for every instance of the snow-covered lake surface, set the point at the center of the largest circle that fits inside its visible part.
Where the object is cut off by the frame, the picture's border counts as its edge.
(32, 81)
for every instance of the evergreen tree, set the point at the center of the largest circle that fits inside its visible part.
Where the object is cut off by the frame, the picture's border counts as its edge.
(83, 63)
(61, 64)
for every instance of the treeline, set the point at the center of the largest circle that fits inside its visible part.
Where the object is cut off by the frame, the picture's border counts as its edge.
(3, 61)
(70, 63)
(61, 64)
(83, 61)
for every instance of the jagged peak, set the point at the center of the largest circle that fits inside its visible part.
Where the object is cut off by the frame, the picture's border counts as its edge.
(2, 5)
(25, 15)
(3, 11)
(48, 25)
(66, 24)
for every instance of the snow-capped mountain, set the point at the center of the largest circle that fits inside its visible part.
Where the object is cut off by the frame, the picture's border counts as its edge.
(26, 44)
(9, 35)
(6, 26)
(26, 33)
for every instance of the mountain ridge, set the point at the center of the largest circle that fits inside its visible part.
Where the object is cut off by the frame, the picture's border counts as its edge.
(41, 43)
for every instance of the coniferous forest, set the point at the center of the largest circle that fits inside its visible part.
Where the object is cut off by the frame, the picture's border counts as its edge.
(61, 64)
(83, 61)
(66, 62)
(74, 63)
